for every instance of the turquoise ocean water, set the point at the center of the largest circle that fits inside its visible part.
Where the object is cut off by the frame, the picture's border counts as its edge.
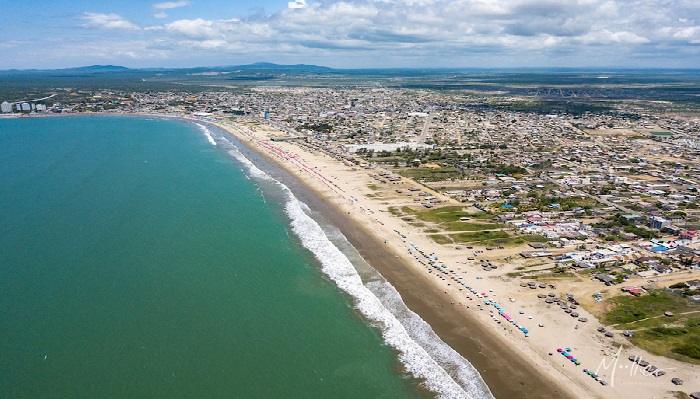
(139, 260)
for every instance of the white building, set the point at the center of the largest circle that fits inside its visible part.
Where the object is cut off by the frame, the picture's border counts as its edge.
(6, 107)
(390, 147)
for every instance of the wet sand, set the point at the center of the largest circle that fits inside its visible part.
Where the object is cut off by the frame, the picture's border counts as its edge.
(506, 374)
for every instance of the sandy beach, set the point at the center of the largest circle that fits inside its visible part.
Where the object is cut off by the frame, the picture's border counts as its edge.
(459, 300)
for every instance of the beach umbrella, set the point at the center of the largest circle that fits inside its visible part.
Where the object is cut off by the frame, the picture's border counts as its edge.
(560, 350)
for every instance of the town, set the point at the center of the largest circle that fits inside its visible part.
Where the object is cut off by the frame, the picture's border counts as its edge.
(598, 207)
(588, 191)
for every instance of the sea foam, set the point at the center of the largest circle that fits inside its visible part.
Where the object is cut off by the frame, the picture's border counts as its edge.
(207, 133)
(420, 350)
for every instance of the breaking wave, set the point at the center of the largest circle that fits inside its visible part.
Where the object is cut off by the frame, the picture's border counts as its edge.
(207, 133)
(420, 350)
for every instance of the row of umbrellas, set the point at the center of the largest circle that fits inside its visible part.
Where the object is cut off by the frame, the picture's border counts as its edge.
(566, 352)
(431, 262)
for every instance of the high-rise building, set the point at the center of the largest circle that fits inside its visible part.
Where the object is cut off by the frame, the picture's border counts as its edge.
(6, 107)
(26, 107)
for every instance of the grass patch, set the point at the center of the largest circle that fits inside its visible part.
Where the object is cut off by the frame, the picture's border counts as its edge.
(627, 308)
(441, 239)
(676, 337)
(431, 174)
(394, 211)
(373, 187)
(680, 341)
(448, 218)
(529, 266)
(533, 238)
(488, 237)
(480, 236)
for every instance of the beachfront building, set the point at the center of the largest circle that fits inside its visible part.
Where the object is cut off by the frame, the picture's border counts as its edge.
(6, 107)
(388, 147)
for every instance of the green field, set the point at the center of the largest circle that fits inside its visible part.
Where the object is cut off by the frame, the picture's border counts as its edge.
(431, 174)
(448, 219)
(676, 336)
(486, 238)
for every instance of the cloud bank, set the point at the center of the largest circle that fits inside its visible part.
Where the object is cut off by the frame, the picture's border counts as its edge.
(419, 33)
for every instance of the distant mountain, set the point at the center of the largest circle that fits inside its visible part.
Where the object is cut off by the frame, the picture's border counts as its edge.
(278, 67)
(83, 69)
(96, 68)
(258, 66)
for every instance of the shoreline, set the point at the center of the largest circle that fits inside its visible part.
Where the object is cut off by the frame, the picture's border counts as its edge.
(506, 373)
(511, 364)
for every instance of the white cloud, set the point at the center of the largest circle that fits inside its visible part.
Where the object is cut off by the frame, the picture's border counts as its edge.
(193, 27)
(167, 5)
(297, 4)
(107, 21)
(451, 31)
(688, 33)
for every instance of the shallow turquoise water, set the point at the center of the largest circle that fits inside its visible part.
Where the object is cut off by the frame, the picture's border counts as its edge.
(137, 260)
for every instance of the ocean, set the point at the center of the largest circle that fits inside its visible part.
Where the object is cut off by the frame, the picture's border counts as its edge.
(149, 257)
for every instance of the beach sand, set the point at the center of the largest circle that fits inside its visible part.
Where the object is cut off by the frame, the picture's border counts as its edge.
(511, 364)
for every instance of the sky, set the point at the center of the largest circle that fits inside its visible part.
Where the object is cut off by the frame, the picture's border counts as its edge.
(46, 34)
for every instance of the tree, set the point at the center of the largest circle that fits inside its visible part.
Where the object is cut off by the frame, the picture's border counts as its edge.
(678, 285)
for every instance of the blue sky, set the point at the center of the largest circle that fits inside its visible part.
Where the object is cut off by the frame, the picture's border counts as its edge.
(352, 33)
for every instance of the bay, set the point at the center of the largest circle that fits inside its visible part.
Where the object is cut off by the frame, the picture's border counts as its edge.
(138, 260)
